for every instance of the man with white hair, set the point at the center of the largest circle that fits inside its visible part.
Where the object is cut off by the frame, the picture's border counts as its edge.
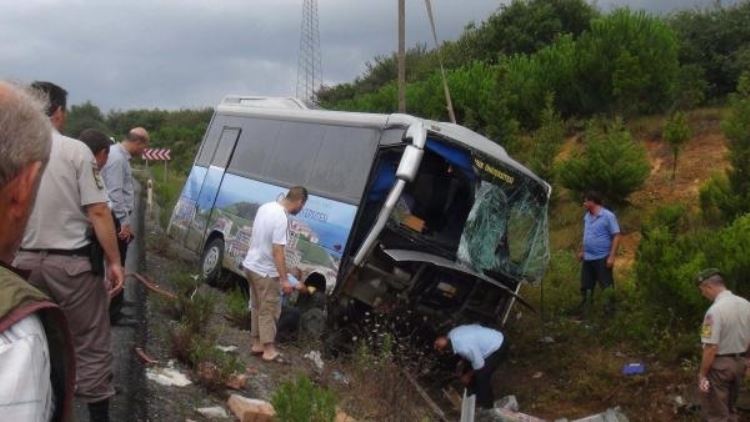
(57, 250)
(37, 363)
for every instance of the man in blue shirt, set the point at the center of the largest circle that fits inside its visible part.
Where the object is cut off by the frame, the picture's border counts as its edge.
(483, 348)
(601, 237)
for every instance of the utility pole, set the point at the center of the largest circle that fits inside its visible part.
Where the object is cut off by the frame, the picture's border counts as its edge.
(401, 57)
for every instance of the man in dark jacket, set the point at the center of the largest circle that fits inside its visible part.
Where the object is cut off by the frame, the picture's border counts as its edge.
(37, 362)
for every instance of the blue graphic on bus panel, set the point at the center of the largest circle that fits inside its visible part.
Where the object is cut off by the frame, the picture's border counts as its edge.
(184, 211)
(317, 235)
(210, 187)
(193, 183)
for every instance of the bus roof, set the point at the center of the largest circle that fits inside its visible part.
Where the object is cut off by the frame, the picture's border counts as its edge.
(288, 108)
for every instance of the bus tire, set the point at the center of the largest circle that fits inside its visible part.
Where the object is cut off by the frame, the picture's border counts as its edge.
(211, 261)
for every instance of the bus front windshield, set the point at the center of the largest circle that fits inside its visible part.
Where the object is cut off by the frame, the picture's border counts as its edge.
(480, 213)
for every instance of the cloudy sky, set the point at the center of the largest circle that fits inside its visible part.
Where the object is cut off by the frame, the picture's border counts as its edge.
(188, 53)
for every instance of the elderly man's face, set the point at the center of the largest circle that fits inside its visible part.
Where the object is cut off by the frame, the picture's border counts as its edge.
(141, 145)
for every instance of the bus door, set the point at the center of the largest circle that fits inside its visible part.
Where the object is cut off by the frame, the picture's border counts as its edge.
(210, 188)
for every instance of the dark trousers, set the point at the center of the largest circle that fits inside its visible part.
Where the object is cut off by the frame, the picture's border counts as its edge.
(594, 271)
(288, 326)
(725, 377)
(481, 382)
(122, 245)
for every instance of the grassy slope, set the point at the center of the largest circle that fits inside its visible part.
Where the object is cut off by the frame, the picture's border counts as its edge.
(579, 373)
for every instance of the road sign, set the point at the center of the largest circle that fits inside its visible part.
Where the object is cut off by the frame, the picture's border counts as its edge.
(157, 154)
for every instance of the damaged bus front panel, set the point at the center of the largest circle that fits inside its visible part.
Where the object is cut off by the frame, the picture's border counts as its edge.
(459, 234)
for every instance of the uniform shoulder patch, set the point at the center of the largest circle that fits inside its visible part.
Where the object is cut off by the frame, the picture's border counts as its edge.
(707, 327)
(97, 176)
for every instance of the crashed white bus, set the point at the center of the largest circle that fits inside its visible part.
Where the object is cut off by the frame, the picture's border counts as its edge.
(402, 211)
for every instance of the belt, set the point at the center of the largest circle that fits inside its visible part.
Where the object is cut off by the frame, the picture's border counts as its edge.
(82, 251)
(731, 355)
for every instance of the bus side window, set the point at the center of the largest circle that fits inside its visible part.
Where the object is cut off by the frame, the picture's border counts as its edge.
(255, 146)
(209, 144)
(343, 162)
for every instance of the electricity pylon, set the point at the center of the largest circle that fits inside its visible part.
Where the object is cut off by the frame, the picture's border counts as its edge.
(309, 65)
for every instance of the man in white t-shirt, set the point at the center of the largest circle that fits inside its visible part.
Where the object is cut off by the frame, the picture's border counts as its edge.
(265, 267)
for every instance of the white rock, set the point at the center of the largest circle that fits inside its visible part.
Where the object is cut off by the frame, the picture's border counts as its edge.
(507, 402)
(226, 349)
(317, 359)
(215, 412)
(168, 377)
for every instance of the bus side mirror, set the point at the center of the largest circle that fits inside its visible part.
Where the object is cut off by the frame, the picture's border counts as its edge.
(412, 157)
(417, 133)
(409, 164)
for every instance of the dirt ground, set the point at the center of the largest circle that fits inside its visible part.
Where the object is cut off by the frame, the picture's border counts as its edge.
(170, 403)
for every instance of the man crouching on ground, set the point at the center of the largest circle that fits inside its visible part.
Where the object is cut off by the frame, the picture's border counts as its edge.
(483, 348)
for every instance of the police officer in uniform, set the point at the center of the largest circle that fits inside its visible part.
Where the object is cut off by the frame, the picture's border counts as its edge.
(725, 336)
(56, 246)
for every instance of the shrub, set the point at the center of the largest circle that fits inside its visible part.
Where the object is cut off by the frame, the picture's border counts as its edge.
(732, 197)
(676, 133)
(715, 198)
(197, 310)
(547, 141)
(626, 63)
(213, 366)
(612, 163)
(665, 270)
(238, 312)
(302, 401)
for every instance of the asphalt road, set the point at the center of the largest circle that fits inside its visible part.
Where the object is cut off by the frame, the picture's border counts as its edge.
(130, 402)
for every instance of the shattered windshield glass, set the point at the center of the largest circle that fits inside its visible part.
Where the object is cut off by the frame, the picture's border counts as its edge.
(506, 230)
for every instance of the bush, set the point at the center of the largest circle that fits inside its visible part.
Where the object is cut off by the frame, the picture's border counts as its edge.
(730, 196)
(716, 41)
(198, 309)
(727, 250)
(676, 133)
(612, 163)
(626, 63)
(213, 366)
(665, 271)
(238, 312)
(547, 141)
(302, 401)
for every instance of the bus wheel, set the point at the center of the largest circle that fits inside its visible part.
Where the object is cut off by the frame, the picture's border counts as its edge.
(211, 261)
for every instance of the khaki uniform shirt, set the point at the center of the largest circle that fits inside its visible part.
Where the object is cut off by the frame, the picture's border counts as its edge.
(727, 324)
(70, 182)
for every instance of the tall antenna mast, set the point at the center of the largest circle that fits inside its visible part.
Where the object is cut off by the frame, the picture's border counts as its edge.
(309, 65)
